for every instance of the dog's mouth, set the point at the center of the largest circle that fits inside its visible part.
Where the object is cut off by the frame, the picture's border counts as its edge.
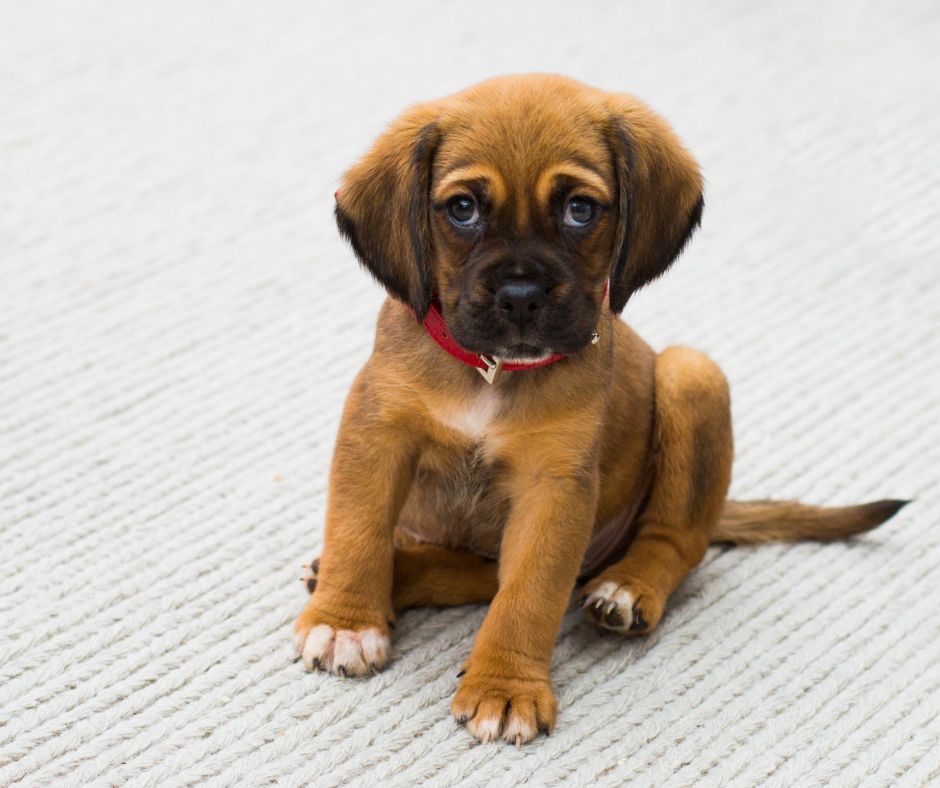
(523, 353)
(521, 349)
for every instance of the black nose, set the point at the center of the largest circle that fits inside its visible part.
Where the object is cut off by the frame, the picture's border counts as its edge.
(520, 301)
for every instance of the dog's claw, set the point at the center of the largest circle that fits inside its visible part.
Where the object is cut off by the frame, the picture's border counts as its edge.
(638, 622)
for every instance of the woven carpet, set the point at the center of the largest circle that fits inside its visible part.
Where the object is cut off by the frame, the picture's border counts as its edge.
(179, 323)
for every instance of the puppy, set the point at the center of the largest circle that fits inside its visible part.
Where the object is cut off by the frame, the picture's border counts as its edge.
(509, 434)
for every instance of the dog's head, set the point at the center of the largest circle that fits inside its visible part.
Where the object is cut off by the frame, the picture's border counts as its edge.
(514, 202)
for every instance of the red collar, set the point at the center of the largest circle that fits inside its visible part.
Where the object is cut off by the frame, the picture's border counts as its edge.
(488, 366)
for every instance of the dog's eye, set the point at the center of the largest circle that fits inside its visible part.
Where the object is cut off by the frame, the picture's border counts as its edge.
(580, 212)
(463, 211)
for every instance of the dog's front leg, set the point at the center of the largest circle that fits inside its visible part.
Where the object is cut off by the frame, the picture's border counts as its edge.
(506, 689)
(345, 625)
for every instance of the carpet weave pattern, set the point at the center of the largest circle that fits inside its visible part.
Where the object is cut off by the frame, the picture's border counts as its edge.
(179, 324)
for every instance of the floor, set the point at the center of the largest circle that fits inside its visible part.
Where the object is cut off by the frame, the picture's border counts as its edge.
(179, 323)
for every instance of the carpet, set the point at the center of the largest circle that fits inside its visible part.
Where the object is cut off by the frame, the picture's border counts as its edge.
(179, 324)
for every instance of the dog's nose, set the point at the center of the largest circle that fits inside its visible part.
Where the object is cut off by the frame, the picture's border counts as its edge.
(520, 301)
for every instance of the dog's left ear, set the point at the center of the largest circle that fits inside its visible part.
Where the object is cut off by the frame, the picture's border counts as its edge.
(659, 196)
(383, 204)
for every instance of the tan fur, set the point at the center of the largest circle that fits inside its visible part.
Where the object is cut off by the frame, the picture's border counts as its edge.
(435, 471)
(755, 522)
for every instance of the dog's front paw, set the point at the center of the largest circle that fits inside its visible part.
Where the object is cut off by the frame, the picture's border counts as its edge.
(344, 647)
(494, 706)
(622, 607)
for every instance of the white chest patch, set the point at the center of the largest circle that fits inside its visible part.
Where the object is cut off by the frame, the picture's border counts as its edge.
(473, 417)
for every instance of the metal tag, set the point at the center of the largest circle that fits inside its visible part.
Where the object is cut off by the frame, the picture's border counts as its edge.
(493, 366)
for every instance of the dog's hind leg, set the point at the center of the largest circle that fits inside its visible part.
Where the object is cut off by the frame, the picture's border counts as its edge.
(430, 576)
(692, 467)
(427, 575)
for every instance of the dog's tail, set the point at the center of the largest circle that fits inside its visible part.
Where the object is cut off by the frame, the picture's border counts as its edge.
(754, 522)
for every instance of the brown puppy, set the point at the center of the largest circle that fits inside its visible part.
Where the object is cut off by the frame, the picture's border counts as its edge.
(509, 207)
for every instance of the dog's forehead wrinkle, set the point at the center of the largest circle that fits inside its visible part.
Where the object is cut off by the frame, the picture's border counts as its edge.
(524, 131)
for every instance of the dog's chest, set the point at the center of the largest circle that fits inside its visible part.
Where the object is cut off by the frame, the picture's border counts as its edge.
(473, 418)
(457, 498)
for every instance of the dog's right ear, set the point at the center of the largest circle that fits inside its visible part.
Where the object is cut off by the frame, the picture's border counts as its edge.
(383, 207)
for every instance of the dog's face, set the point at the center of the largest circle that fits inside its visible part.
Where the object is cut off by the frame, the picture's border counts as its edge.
(514, 202)
(521, 194)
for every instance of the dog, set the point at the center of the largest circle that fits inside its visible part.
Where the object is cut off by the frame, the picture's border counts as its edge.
(510, 436)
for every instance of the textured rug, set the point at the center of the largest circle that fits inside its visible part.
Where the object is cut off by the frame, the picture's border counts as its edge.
(179, 324)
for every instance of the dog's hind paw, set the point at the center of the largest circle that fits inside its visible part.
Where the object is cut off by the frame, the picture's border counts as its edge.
(621, 607)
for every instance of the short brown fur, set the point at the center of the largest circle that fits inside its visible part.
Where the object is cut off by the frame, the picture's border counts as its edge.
(435, 472)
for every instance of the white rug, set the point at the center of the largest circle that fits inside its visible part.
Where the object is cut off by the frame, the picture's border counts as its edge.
(179, 323)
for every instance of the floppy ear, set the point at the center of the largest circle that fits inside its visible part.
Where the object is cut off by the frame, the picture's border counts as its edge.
(659, 197)
(382, 208)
